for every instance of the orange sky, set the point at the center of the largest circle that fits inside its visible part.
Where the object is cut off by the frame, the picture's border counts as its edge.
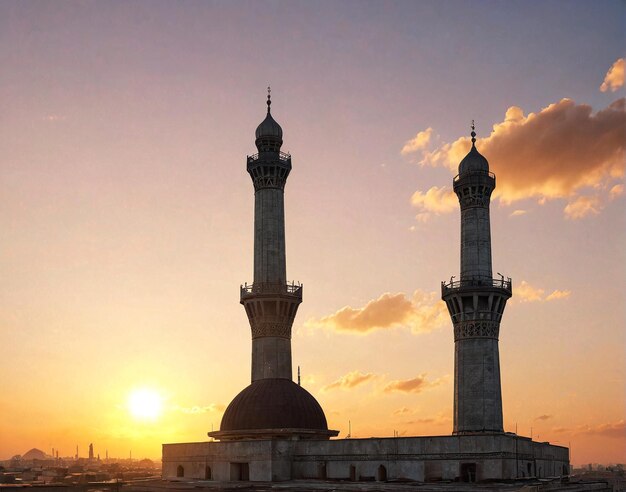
(127, 213)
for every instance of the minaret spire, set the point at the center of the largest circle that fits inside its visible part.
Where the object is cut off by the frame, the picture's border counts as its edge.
(269, 98)
(476, 302)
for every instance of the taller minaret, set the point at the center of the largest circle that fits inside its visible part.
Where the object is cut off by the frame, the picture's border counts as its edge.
(270, 303)
(476, 302)
(272, 406)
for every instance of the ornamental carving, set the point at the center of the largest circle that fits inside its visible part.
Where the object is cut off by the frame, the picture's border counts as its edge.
(472, 197)
(271, 329)
(261, 182)
(476, 329)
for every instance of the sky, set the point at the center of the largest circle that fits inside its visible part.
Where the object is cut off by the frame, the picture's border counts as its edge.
(126, 212)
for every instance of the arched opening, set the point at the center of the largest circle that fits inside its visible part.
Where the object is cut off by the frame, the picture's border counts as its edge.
(382, 473)
(208, 474)
(352, 473)
(468, 472)
(565, 472)
(529, 469)
(321, 471)
(180, 471)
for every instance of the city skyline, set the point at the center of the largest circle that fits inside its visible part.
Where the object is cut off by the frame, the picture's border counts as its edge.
(128, 223)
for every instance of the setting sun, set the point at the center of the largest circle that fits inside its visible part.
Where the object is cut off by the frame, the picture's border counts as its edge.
(145, 404)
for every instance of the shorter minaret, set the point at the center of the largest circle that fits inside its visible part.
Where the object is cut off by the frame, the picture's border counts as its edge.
(476, 302)
(273, 406)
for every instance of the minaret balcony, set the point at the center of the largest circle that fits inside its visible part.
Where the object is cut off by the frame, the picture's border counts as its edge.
(476, 283)
(271, 290)
(270, 156)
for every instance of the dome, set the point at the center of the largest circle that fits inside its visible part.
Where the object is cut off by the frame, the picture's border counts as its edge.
(269, 128)
(473, 161)
(269, 134)
(273, 404)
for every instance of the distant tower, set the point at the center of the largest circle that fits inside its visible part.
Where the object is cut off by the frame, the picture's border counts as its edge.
(91, 451)
(273, 405)
(476, 302)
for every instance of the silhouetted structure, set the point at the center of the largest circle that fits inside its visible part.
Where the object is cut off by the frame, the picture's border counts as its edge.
(273, 405)
(476, 302)
(275, 430)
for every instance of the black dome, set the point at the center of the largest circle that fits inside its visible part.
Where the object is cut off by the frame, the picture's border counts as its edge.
(273, 404)
(473, 161)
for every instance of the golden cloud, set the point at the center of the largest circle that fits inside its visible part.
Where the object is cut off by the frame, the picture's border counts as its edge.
(582, 207)
(211, 408)
(419, 142)
(423, 312)
(517, 213)
(616, 191)
(525, 292)
(350, 380)
(614, 78)
(613, 430)
(436, 200)
(415, 385)
(552, 154)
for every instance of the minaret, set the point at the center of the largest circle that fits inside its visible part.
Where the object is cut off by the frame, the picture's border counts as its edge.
(476, 302)
(270, 303)
(272, 406)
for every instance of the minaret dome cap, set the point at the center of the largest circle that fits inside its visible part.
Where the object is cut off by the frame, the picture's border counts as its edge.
(474, 160)
(269, 134)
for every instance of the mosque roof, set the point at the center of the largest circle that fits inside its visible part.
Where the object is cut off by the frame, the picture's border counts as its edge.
(273, 404)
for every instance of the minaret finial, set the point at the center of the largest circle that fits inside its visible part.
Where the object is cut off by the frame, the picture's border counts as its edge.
(473, 134)
(269, 98)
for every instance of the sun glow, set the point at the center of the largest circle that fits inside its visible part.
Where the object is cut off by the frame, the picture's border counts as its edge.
(145, 404)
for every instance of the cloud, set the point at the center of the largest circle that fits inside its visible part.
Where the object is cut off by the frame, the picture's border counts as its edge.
(402, 411)
(582, 207)
(350, 380)
(212, 408)
(616, 191)
(415, 385)
(436, 200)
(517, 213)
(440, 418)
(423, 312)
(613, 430)
(525, 292)
(419, 142)
(552, 154)
(543, 417)
(614, 78)
(558, 294)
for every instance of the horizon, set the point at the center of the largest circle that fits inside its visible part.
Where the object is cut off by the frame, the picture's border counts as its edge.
(127, 212)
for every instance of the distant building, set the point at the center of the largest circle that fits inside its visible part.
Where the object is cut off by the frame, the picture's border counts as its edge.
(275, 430)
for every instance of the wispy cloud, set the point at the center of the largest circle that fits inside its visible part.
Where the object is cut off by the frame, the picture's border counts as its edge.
(435, 201)
(414, 385)
(528, 154)
(350, 380)
(525, 292)
(417, 143)
(544, 417)
(615, 430)
(211, 408)
(583, 206)
(517, 213)
(422, 312)
(614, 78)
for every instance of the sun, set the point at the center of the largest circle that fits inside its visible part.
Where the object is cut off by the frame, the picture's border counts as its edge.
(145, 404)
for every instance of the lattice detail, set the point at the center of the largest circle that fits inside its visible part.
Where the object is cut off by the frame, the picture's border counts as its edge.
(474, 196)
(269, 182)
(476, 329)
(269, 329)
